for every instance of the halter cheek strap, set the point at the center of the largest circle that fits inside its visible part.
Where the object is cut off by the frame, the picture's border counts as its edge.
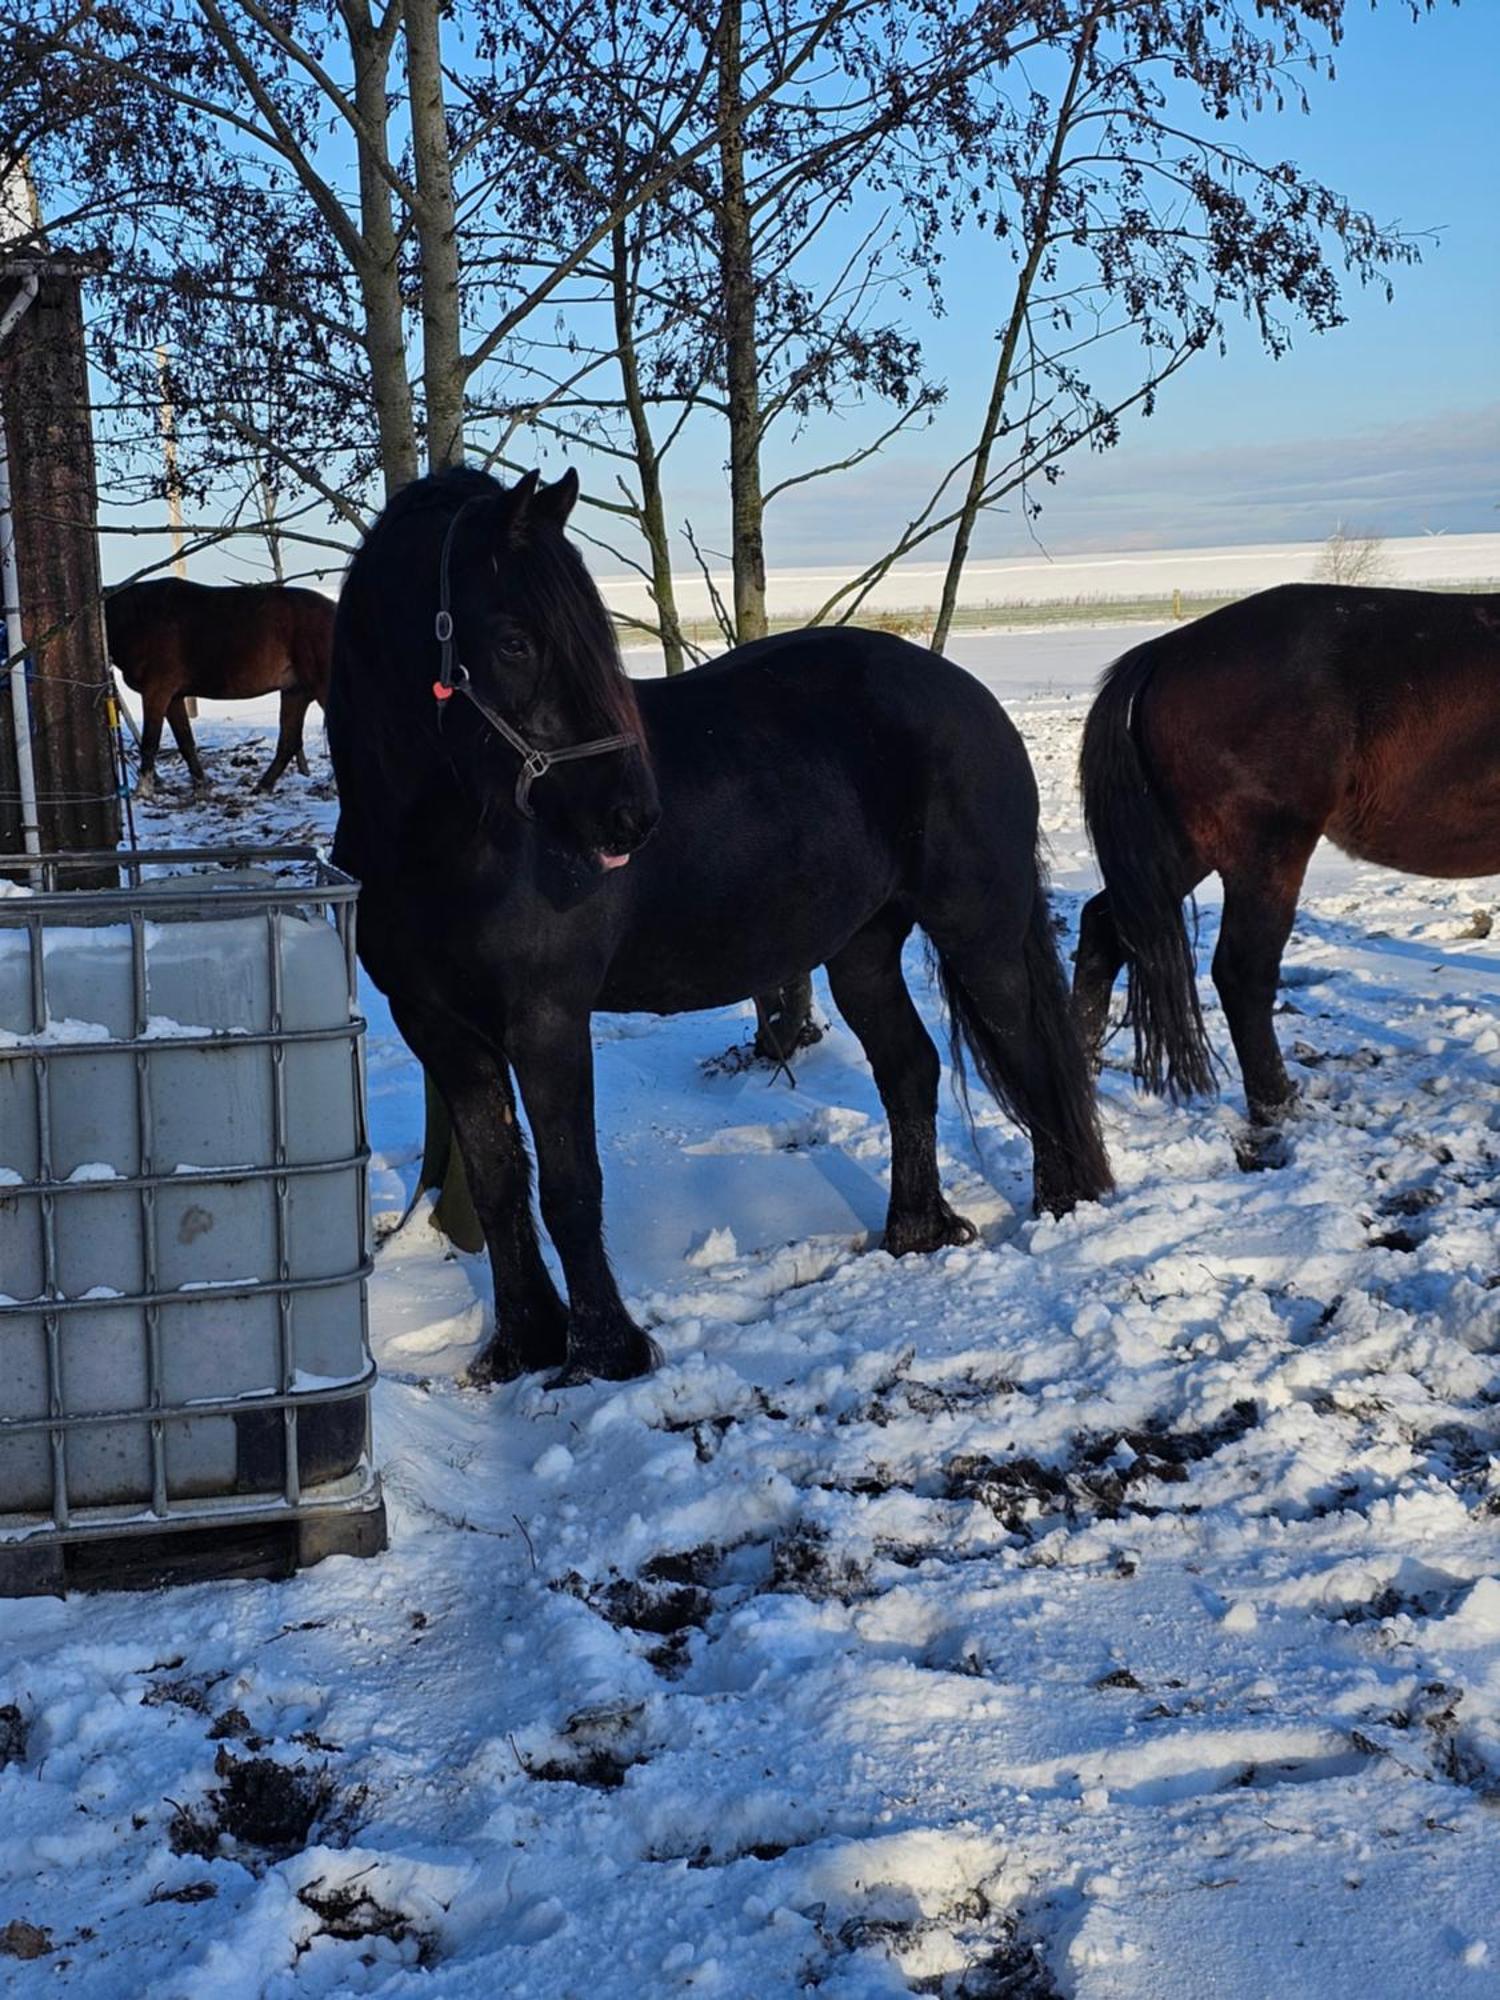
(453, 678)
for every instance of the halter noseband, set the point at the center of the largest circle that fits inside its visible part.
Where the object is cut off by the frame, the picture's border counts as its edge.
(454, 678)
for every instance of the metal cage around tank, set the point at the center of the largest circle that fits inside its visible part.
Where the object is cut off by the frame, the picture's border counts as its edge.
(172, 1423)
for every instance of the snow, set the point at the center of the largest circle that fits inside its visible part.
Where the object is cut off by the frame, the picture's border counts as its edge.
(1110, 1607)
(161, 1027)
(59, 1032)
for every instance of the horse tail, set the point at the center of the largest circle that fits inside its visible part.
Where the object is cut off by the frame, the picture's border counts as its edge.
(1041, 1076)
(1144, 857)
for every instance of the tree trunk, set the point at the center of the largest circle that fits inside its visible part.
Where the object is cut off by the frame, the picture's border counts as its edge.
(653, 519)
(45, 409)
(443, 393)
(377, 270)
(437, 238)
(963, 533)
(443, 1168)
(741, 354)
(783, 1019)
(268, 517)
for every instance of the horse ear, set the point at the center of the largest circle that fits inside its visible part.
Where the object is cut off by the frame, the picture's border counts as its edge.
(515, 504)
(521, 493)
(556, 502)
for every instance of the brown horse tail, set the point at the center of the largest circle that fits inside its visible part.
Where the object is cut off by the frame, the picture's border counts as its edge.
(1053, 1098)
(1144, 859)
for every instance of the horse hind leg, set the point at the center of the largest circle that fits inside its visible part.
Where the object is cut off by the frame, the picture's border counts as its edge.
(871, 994)
(182, 730)
(1008, 1003)
(294, 706)
(1095, 969)
(1260, 903)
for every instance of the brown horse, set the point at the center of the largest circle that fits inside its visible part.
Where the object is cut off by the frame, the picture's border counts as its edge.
(171, 639)
(1232, 746)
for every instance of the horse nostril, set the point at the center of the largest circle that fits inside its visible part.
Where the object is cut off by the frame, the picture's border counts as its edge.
(629, 827)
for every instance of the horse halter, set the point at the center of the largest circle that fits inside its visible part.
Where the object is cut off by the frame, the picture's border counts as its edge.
(454, 678)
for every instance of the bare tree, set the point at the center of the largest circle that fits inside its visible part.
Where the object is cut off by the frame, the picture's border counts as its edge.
(1138, 232)
(1348, 556)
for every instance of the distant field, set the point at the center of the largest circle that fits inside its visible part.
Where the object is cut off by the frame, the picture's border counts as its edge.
(915, 622)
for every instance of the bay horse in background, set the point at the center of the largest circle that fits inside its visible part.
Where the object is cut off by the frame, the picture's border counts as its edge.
(536, 837)
(1232, 746)
(173, 640)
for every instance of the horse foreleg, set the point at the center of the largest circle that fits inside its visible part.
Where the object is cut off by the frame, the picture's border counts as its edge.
(1095, 970)
(1259, 906)
(182, 729)
(554, 1064)
(294, 704)
(530, 1319)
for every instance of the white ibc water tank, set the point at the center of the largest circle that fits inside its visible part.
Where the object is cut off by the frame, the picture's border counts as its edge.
(183, 1238)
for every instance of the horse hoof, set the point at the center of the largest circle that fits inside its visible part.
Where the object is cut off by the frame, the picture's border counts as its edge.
(1261, 1149)
(624, 1363)
(920, 1235)
(1055, 1205)
(573, 1376)
(492, 1365)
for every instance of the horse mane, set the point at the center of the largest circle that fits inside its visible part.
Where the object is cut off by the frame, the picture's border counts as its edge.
(549, 584)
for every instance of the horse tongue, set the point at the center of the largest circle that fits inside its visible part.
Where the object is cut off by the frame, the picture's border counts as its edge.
(612, 860)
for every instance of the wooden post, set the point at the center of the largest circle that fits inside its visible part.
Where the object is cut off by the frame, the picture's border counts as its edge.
(45, 409)
(167, 422)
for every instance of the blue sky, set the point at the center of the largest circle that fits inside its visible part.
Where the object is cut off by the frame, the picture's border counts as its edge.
(1408, 129)
(1390, 422)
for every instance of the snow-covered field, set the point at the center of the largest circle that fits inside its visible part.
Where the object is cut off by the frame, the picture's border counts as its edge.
(1040, 578)
(1111, 1609)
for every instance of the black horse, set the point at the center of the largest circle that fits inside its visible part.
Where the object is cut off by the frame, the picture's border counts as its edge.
(805, 800)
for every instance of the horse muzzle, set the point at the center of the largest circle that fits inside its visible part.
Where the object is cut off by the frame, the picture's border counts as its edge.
(628, 828)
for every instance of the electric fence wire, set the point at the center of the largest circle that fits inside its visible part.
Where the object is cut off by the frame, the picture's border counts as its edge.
(116, 717)
(114, 709)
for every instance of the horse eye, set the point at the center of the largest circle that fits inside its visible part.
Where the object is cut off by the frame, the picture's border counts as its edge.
(512, 646)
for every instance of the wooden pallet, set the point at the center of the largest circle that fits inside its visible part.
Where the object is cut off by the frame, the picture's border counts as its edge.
(51, 1566)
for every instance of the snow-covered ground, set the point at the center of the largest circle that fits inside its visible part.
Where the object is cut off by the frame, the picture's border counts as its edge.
(1111, 1609)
